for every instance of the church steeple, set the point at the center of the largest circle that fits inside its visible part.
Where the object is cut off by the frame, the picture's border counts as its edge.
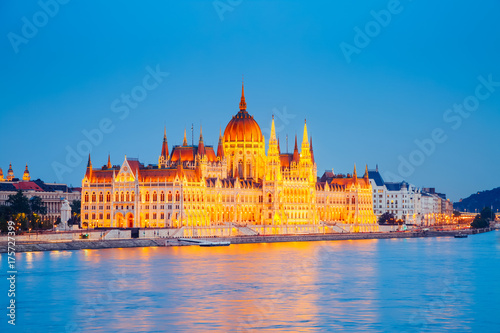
(162, 160)
(26, 174)
(355, 174)
(366, 176)
(109, 166)
(243, 104)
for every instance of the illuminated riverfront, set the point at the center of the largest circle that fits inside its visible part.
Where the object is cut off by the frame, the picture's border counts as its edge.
(238, 189)
(349, 286)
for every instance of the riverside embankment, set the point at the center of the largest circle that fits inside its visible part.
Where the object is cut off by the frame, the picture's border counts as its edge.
(28, 246)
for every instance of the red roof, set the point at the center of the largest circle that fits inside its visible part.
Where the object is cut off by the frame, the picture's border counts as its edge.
(27, 186)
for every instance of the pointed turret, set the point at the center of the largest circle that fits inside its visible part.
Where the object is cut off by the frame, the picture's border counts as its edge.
(220, 146)
(243, 104)
(304, 137)
(109, 166)
(185, 141)
(305, 150)
(201, 145)
(162, 160)
(312, 152)
(88, 173)
(26, 174)
(10, 173)
(355, 174)
(1, 175)
(366, 176)
(296, 156)
(279, 148)
(273, 153)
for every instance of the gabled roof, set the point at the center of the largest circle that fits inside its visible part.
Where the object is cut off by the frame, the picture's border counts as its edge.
(28, 186)
(377, 177)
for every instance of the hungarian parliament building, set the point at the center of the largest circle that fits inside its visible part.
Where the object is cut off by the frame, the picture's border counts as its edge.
(238, 189)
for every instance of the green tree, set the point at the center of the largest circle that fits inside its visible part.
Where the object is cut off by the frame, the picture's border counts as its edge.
(386, 218)
(19, 203)
(36, 206)
(479, 222)
(487, 214)
(76, 206)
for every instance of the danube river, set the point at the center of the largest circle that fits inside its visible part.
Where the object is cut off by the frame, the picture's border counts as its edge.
(401, 285)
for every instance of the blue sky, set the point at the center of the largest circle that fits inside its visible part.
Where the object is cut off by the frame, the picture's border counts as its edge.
(369, 109)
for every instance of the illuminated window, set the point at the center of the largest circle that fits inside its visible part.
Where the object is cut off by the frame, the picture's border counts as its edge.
(108, 197)
(155, 196)
(93, 197)
(162, 196)
(101, 197)
(86, 197)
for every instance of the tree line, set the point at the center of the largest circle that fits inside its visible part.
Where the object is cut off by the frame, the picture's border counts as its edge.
(29, 214)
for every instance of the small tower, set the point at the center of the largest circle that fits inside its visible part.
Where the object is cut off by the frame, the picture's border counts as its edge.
(355, 174)
(109, 166)
(26, 174)
(220, 146)
(201, 145)
(88, 173)
(162, 160)
(296, 152)
(10, 173)
(1, 175)
(185, 141)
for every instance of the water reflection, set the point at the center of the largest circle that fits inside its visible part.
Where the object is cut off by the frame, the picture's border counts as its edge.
(408, 285)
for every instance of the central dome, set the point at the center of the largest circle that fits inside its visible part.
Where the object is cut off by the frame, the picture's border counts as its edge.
(243, 127)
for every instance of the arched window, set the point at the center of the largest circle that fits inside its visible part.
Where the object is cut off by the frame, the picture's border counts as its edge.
(127, 196)
(117, 196)
(147, 196)
(93, 197)
(169, 197)
(122, 196)
(155, 197)
(162, 196)
(132, 196)
(86, 197)
(270, 198)
(108, 197)
(101, 197)
(177, 196)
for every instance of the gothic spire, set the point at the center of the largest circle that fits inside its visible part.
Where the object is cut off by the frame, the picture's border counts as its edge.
(185, 142)
(243, 104)
(201, 145)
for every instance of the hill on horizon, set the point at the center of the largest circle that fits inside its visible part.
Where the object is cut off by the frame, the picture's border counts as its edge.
(480, 200)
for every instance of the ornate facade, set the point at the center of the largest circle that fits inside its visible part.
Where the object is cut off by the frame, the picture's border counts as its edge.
(236, 189)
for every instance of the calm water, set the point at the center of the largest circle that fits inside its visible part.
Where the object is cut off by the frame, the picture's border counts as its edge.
(410, 285)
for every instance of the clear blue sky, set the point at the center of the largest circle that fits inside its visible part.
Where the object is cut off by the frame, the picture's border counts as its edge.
(396, 89)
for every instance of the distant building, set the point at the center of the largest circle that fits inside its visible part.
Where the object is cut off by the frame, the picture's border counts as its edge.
(413, 205)
(400, 199)
(52, 195)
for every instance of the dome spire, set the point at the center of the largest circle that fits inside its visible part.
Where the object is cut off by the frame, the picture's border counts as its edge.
(26, 175)
(185, 142)
(243, 104)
